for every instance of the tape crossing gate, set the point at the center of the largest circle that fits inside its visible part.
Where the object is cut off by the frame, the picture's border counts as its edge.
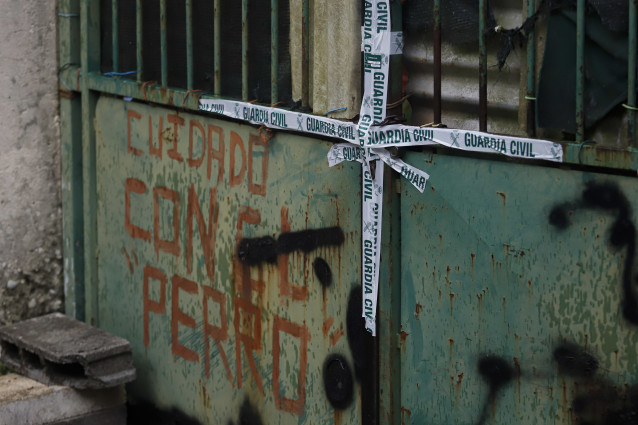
(366, 142)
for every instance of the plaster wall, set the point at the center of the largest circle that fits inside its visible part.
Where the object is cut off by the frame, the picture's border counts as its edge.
(30, 208)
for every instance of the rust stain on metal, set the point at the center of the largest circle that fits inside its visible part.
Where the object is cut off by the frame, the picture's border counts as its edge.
(457, 389)
(451, 350)
(336, 335)
(405, 415)
(128, 261)
(473, 255)
(417, 311)
(327, 324)
(451, 305)
(517, 368)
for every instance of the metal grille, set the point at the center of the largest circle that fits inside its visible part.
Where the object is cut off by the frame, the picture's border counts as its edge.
(178, 46)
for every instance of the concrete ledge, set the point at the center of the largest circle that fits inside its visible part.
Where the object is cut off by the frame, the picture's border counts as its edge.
(28, 402)
(58, 350)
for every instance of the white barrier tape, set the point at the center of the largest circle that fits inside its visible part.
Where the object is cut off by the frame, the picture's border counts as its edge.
(281, 119)
(346, 152)
(371, 228)
(412, 174)
(517, 147)
(396, 42)
(376, 38)
(385, 136)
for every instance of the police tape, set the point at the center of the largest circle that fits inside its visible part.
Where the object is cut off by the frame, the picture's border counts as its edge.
(281, 119)
(376, 40)
(346, 152)
(371, 136)
(467, 140)
(367, 141)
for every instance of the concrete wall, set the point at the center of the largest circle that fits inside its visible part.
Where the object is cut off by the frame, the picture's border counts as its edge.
(30, 209)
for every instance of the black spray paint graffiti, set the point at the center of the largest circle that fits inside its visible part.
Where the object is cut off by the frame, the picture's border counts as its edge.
(608, 197)
(248, 415)
(337, 377)
(599, 402)
(496, 372)
(253, 251)
(337, 374)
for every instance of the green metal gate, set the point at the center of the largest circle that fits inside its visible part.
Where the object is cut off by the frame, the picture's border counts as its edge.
(229, 254)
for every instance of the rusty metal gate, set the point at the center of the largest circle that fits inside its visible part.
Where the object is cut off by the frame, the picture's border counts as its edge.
(229, 254)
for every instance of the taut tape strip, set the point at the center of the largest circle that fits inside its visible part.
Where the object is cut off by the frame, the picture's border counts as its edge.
(474, 141)
(385, 136)
(281, 119)
(376, 38)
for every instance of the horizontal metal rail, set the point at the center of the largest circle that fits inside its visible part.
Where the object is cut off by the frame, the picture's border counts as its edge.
(574, 153)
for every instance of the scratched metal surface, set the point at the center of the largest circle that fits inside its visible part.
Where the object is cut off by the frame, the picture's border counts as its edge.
(218, 339)
(508, 316)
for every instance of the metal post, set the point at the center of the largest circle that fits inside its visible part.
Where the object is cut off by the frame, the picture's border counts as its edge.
(163, 49)
(580, 71)
(274, 50)
(217, 33)
(189, 44)
(436, 10)
(482, 66)
(90, 61)
(139, 40)
(631, 95)
(71, 168)
(115, 36)
(244, 50)
(531, 75)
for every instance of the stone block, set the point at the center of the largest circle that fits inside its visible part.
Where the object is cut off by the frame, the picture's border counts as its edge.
(27, 402)
(58, 350)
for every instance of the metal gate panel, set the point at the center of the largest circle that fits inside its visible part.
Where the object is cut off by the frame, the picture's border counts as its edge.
(518, 295)
(227, 258)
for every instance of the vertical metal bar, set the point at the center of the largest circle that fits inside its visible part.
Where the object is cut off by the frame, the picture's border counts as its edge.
(90, 61)
(71, 167)
(163, 51)
(189, 44)
(482, 66)
(217, 31)
(115, 36)
(436, 11)
(631, 80)
(274, 50)
(580, 71)
(244, 50)
(395, 83)
(138, 39)
(530, 97)
(389, 317)
(305, 63)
